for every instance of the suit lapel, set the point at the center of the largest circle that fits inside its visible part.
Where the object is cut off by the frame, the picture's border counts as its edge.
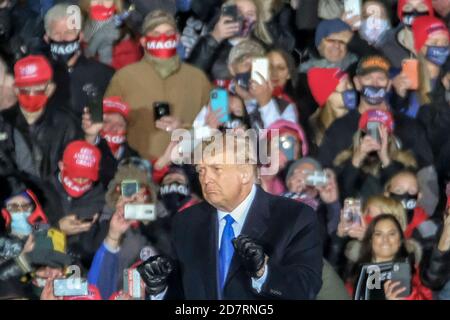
(255, 226)
(207, 250)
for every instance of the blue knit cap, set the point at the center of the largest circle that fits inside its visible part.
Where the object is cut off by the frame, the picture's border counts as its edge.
(327, 27)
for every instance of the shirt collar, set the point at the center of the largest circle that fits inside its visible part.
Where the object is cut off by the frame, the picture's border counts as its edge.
(240, 212)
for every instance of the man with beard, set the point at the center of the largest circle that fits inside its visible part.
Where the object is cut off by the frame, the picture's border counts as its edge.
(373, 83)
(76, 77)
(160, 78)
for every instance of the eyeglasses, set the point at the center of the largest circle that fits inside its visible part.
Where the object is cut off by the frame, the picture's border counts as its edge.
(17, 207)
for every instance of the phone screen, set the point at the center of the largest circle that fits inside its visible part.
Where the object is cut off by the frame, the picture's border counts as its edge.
(129, 188)
(230, 11)
(161, 109)
(374, 131)
(95, 106)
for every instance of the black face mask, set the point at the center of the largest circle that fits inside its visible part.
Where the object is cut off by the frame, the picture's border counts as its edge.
(409, 202)
(5, 24)
(63, 51)
(408, 17)
(174, 196)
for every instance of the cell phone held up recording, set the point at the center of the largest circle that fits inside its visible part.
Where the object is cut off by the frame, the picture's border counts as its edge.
(219, 103)
(401, 272)
(132, 283)
(140, 212)
(373, 129)
(353, 7)
(231, 11)
(410, 68)
(95, 107)
(70, 287)
(260, 70)
(351, 214)
(161, 109)
(129, 188)
(317, 179)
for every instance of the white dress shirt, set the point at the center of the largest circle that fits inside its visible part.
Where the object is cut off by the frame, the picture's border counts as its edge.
(239, 214)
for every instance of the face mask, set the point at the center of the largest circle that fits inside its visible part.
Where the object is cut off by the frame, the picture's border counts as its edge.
(408, 17)
(75, 189)
(349, 97)
(32, 103)
(102, 13)
(409, 202)
(163, 46)
(114, 140)
(63, 51)
(437, 55)
(374, 95)
(19, 223)
(174, 196)
(372, 29)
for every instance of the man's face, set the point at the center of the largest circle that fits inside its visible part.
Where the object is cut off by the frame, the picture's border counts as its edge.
(334, 48)
(114, 123)
(7, 94)
(375, 79)
(221, 183)
(297, 182)
(164, 28)
(62, 31)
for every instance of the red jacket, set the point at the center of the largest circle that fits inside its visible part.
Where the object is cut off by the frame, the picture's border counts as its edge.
(419, 216)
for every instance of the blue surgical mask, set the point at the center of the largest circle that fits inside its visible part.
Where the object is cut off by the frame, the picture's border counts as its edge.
(437, 54)
(19, 223)
(374, 95)
(373, 28)
(349, 97)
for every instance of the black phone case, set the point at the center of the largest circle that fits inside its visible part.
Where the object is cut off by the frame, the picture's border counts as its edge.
(401, 272)
(161, 109)
(96, 109)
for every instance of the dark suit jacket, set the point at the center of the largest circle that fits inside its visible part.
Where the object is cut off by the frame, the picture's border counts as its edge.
(289, 233)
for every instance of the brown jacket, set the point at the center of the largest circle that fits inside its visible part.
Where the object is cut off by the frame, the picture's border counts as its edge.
(186, 91)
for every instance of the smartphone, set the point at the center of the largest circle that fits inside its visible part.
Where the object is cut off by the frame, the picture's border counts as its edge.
(352, 212)
(140, 212)
(231, 10)
(353, 7)
(87, 220)
(132, 283)
(373, 129)
(287, 146)
(410, 68)
(260, 70)
(161, 109)
(220, 103)
(95, 106)
(70, 287)
(129, 188)
(401, 272)
(317, 179)
(243, 80)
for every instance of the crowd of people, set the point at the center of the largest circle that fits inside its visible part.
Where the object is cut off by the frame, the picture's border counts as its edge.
(355, 106)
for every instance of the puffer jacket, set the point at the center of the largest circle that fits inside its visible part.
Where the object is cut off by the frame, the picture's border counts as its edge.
(437, 273)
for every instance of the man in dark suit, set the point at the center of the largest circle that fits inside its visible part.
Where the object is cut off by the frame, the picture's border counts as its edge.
(242, 243)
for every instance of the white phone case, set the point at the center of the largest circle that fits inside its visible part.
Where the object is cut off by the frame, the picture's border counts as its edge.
(353, 7)
(260, 67)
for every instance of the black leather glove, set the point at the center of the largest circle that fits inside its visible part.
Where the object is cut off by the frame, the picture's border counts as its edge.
(155, 271)
(251, 253)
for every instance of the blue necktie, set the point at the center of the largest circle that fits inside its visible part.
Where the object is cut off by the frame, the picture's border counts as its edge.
(226, 250)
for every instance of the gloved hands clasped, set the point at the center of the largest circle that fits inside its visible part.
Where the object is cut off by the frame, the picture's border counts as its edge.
(252, 255)
(155, 272)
